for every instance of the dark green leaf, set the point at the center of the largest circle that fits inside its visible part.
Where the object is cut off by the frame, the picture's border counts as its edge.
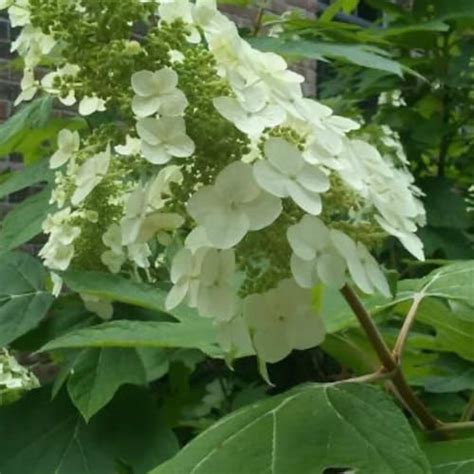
(311, 429)
(445, 206)
(24, 222)
(18, 180)
(24, 301)
(52, 438)
(98, 373)
(451, 457)
(366, 56)
(124, 334)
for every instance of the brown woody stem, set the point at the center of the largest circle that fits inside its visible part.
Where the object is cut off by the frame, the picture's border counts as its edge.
(390, 364)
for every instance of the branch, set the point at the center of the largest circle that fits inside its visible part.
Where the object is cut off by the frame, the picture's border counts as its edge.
(370, 328)
(410, 399)
(407, 324)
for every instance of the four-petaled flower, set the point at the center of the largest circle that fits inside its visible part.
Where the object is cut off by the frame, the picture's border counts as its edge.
(282, 319)
(163, 139)
(233, 206)
(157, 92)
(285, 173)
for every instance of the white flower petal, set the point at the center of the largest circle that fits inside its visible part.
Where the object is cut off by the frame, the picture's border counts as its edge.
(313, 179)
(332, 270)
(156, 154)
(145, 106)
(262, 211)
(304, 271)
(307, 200)
(176, 295)
(284, 156)
(270, 179)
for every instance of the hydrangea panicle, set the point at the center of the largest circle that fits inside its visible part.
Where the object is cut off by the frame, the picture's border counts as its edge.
(215, 178)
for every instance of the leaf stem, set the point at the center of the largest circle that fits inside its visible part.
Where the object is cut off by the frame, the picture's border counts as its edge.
(410, 399)
(456, 426)
(257, 24)
(407, 325)
(376, 376)
(469, 410)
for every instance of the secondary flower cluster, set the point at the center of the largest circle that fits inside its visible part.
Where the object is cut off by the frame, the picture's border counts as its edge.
(216, 174)
(13, 376)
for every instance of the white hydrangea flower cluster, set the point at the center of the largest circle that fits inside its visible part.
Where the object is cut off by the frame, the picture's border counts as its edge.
(13, 376)
(299, 157)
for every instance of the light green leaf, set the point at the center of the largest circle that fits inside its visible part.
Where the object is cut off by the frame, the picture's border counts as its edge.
(18, 180)
(346, 6)
(362, 55)
(24, 222)
(31, 116)
(52, 438)
(396, 32)
(27, 131)
(24, 301)
(191, 335)
(451, 457)
(452, 282)
(98, 373)
(454, 333)
(455, 282)
(306, 431)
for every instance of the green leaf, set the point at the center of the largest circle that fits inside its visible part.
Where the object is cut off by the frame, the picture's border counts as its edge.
(306, 431)
(123, 290)
(52, 438)
(451, 457)
(449, 374)
(24, 301)
(362, 55)
(24, 222)
(453, 10)
(31, 116)
(29, 129)
(99, 373)
(453, 244)
(454, 330)
(346, 6)
(191, 335)
(454, 282)
(436, 26)
(18, 180)
(120, 289)
(445, 206)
